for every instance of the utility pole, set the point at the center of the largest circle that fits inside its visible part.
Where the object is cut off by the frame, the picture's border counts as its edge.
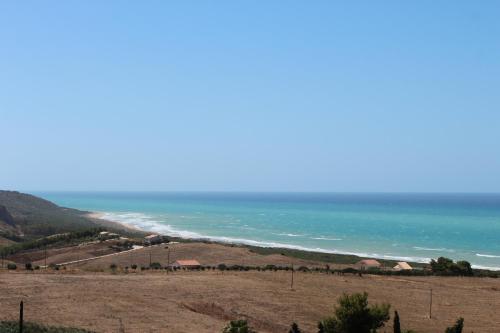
(430, 306)
(150, 256)
(168, 258)
(291, 285)
(45, 254)
(21, 310)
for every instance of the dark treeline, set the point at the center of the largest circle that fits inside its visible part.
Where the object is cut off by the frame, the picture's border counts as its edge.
(55, 240)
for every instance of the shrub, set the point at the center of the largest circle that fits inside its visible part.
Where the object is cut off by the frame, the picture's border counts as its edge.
(446, 266)
(457, 328)
(28, 266)
(134, 266)
(237, 326)
(113, 267)
(350, 270)
(294, 329)
(155, 265)
(11, 266)
(221, 267)
(353, 315)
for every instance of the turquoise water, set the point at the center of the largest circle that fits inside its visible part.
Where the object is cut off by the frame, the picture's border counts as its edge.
(413, 227)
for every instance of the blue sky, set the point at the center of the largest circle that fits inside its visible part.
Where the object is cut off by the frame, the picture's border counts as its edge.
(250, 95)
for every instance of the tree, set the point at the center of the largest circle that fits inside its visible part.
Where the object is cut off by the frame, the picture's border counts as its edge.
(294, 329)
(446, 266)
(353, 315)
(457, 328)
(321, 328)
(237, 326)
(397, 325)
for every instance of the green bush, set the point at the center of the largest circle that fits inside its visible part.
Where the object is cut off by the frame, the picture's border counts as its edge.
(295, 328)
(457, 328)
(446, 266)
(155, 265)
(28, 266)
(11, 266)
(237, 326)
(353, 315)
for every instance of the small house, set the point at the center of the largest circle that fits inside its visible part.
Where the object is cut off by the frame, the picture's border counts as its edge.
(402, 266)
(105, 235)
(189, 264)
(368, 264)
(153, 239)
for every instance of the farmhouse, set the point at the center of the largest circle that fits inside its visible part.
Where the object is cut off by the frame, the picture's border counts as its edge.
(191, 263)
(105, 235)
(368, 264)
(402, 266)
(153, 239)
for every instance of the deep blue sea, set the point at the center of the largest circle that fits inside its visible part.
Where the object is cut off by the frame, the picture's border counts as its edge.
(414, 227)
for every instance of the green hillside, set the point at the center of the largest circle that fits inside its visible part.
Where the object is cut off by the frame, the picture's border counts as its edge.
(24, 217)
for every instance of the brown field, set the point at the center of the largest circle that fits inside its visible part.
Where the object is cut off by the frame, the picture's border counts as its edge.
(5, 241)
(206, 254)
(154, 301)
(205, 301)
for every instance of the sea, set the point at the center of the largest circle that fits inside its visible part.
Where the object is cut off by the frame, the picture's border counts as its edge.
(402, 226)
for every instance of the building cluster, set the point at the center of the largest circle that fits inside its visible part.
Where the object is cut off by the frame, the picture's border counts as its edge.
(367, 264)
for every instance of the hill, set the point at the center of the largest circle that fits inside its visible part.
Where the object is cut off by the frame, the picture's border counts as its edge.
(25, 216)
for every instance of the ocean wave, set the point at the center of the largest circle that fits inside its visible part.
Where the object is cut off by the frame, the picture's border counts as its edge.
(487, 255)
(440, 249)
(290, 235)
(327, 238)
(150, 223)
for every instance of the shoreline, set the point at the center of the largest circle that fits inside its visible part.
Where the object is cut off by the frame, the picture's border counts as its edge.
(98, 217)
(276, 247)
(341, 257)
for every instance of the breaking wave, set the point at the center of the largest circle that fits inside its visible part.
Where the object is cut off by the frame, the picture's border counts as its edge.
(150, 223)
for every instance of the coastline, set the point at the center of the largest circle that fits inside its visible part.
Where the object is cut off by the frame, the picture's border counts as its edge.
(297, 251)
(259, 247)
(99, 218)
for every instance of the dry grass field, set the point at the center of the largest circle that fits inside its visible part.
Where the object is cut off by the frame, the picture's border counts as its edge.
(206, 254)
(205, 301)
(88, 295)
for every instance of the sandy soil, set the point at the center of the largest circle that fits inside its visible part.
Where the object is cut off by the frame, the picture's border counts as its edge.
(5, 241)
(88, 295)
(205, 301)
(206, 254)
(60, 255)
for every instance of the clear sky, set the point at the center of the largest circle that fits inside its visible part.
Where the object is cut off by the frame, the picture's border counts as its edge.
(250, 95)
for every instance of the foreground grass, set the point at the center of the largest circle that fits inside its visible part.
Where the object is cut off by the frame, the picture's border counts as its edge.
(13, 327)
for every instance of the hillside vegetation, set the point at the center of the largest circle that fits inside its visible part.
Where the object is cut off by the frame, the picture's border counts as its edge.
(25, 217)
